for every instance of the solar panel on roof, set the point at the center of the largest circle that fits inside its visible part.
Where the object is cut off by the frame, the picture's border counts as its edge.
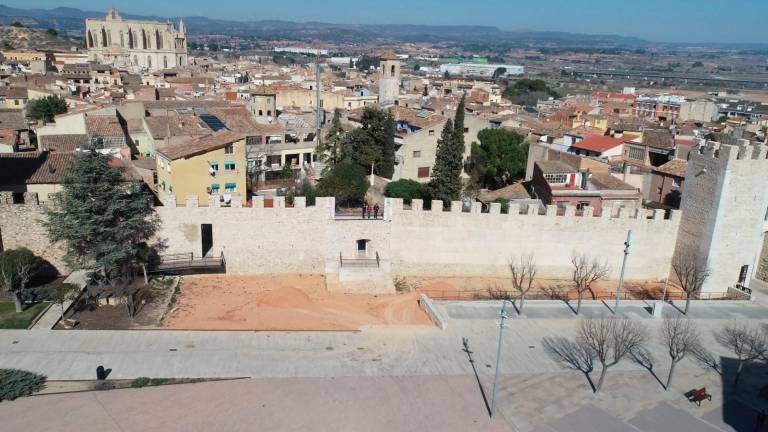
(213, 122)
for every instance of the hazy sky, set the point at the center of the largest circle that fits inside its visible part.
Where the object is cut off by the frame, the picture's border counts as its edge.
(656, 20)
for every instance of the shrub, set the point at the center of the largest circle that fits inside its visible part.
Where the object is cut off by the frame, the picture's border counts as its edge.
(140, 382)
(15, 383)
(504, 204)
(405, 189)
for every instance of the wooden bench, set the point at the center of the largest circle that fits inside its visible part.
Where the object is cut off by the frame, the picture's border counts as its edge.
(698, 395)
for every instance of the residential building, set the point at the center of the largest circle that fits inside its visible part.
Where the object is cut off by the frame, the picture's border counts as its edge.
(700, 110)
(666, 188)
(39, 172)
(480, 70)
(653, 149)
(600, 146)
(208, 167)
(664, 108)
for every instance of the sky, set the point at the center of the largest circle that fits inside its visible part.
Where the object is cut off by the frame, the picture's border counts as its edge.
(654, 20)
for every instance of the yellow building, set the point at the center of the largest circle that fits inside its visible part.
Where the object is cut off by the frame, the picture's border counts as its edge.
(213, 165)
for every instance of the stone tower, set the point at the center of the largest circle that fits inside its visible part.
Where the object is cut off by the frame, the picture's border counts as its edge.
(389, 78)
(724, 211)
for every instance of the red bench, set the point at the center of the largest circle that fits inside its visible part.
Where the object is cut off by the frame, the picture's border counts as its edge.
(698, 395)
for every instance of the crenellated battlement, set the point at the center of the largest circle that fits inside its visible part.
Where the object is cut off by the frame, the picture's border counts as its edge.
(728, 154)
(535, 211)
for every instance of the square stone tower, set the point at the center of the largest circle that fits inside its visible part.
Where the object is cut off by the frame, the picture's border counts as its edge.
(389, 78)
(724, 211)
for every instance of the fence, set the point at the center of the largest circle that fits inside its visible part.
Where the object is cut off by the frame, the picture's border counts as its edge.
(187, 261)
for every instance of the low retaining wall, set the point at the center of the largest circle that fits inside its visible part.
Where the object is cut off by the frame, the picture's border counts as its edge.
(434, 314)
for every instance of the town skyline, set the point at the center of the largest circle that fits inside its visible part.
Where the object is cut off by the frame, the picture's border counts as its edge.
(661, 21)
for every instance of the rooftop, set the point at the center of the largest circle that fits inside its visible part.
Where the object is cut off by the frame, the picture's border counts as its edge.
(35, 167)
(599, 143)
(554, 167)
(675, 167)
(201, 145)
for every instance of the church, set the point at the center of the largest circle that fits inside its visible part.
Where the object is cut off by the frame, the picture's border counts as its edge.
(145, 44)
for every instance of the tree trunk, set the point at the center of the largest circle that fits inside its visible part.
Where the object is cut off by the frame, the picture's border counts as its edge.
(17, 302)
(146, 278)
(522, 300)
(687, 304)
(578, 303)
(602, 378)
(62, 309)
(738, 373)
(669, 377)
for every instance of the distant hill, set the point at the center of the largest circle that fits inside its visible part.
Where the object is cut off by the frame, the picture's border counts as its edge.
(71, 19)
(27, 38)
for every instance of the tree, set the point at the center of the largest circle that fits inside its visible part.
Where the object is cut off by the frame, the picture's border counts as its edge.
(610, 340)
(458, 129)
(691, 272)
(366, 63)
(61, 293)
(104, 222)
(406, 189)
(523, 269)
(346, 182)
(528, 91)
(52, 32)
(586, 271)
(446, 173)
(425, 91)
(500, 159)
(498, 73)
(17, 24)
(331, 150)
(417, 67)
(747, 342)
(17, 267)
(372, 145)
(46, 108)
(351, 63)
(681, 337)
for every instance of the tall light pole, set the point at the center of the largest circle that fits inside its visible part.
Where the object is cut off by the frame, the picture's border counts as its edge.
(504, 316)
(623, 268)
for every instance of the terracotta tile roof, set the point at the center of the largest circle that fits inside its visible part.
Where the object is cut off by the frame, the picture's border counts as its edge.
(201, 145)
(105, 126)
(421, 119)
(35, 167)
(659, 139)
(189, 125)
(62, 143)
(599, 143)
(13, 120)
(135, 125)
(555, 167)
(606, 181)
(675, 167)
(388, 55)
(511, 192)
(235, 118)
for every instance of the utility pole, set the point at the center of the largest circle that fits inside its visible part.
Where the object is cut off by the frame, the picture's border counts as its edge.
(623, 268)
(318, 100)
(504, 316)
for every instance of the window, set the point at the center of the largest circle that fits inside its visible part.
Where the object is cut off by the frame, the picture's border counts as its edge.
(556, 178)
(269, 113)
(229, 166)
(214, 166)
(676, 182)
(15, 101)
(215, 188)
(261, 112)
(423, 172)
(636, 153)
(162, 184)
(230, 149)
(417, 153)
(393, 70)
(581, 206)
(431, 132)
(466, 130)
(230, 187)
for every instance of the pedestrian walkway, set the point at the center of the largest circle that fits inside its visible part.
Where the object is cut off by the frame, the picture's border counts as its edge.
(52, 315)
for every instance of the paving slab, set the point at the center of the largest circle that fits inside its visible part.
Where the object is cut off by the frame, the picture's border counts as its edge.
(734, 416)
(590, 419)
(665, 418)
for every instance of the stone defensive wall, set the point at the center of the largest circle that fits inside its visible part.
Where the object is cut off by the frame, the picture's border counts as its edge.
(302, 239)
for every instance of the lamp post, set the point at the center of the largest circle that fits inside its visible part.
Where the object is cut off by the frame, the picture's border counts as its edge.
(504, 316)
(623, 267)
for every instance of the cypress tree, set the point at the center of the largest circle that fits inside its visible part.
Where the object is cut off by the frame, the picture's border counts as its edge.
(446, 180)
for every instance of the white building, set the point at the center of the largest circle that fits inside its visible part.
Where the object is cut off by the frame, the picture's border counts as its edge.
(480, 70)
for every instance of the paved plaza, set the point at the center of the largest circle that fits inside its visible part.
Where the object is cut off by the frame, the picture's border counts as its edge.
(415, 375)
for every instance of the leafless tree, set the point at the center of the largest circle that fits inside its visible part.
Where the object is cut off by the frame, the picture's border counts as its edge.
(748, 343)
(681, 337)
(586, 271)
(572, 355)
(691, 272)
(610, 340)
(523, 269)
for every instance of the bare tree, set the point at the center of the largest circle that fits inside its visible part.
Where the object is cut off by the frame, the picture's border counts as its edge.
(572, 355)
(586, 271)
(747, 342)
(691, 273)
(523, 269)
(681, 337)
(610, 340)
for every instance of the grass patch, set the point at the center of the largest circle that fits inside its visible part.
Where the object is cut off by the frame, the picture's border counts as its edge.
(9, 319)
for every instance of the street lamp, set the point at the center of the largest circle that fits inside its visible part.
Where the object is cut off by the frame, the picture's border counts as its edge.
(504, 316)
(623, 267)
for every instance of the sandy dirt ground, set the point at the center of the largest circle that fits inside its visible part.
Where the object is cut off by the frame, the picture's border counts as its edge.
(284, 302)
(469, 288)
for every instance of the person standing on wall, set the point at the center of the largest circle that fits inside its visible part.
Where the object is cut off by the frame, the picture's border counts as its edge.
(376, 209)
(365, 206)
(370, 211)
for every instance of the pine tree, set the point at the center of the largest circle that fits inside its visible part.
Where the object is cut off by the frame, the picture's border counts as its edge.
(458, 128)
(446, 180)
(330, 151)
(373, 143)
(104, 222)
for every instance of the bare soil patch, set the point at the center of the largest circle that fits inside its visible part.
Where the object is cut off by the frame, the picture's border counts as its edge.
(284, 302)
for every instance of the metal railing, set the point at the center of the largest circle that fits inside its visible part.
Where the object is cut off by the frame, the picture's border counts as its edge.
(359, 262)
(187, 261)
(493, 294)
